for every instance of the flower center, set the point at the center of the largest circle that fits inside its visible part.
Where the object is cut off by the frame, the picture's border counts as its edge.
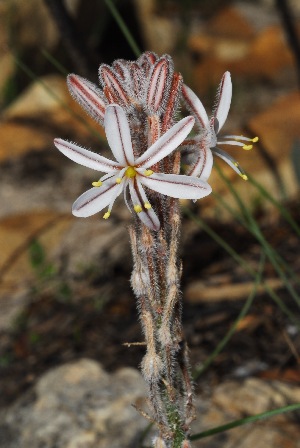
(130, 172)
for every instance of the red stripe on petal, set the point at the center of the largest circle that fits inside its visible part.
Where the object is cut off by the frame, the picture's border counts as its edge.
(88, 96)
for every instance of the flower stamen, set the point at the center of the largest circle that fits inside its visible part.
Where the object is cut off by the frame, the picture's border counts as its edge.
(148, 172)
(97, 184)
(106, 215)
(138, 208)
(147, 205)
(118, 180)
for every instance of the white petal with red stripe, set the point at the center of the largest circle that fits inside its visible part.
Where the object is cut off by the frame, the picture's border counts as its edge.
(166, 143)
(95, 199)
(223, 99)
(139, 198)
(85, 157)
(176, 185)
(88, 95)
(118, 134)
(195, 106)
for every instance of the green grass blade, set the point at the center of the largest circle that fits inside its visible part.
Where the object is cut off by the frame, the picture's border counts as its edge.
(244, 421)
(232, 329)
(259, 236)
(124, 28)
(239, 260)
(284, 212)
(59, 67)
(274, 258)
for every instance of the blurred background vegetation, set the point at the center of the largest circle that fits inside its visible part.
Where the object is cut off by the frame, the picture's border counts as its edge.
(62, 278)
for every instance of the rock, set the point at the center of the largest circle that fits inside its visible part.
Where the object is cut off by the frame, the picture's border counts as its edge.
(234, 400)
(78, 405)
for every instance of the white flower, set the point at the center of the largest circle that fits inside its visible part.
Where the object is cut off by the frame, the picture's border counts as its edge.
(208, 140)
(133, 173)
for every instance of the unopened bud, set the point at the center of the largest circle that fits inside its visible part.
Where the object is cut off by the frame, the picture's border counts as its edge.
(159, 443)
(151, 367)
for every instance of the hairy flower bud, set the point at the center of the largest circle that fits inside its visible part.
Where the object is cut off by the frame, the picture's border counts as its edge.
(151, 367)
(159, 443)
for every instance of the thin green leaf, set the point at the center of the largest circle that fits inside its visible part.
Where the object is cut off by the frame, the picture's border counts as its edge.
(274, 258)
(232, 329)
(124, 28)
(284, 212)
(54, 62)
(240, 261)
(244, 421)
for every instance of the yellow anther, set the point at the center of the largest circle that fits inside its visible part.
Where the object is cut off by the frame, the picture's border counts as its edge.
(244, 176)
(118, 180)
(247, 147)
(236, 164)
(147, 205)
(148, 172)
(255, 139)
(130, 172)
(106, 215)
(137, 208)
(97, 184)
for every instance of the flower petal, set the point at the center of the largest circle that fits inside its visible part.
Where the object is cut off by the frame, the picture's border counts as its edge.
(95, 199)
(203, 164)
(85, 157)
(118, 134)
(139, 199)
(176, 185)
(159, 83)
(110, 79)
(223, 100)
(230, 161)
(88, 95)
(195, 106)
(166, 143)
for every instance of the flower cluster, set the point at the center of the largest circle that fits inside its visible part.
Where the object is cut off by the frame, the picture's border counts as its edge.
(204, 145)
(136, 106)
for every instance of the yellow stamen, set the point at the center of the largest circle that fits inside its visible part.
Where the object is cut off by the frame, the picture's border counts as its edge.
(130, 172)
(247, 147)
(137, 208)
(255, 139)
(106, 215)
(118, 180)
(148, 172)
(244, 176)
(97, 184)
(147, 205)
